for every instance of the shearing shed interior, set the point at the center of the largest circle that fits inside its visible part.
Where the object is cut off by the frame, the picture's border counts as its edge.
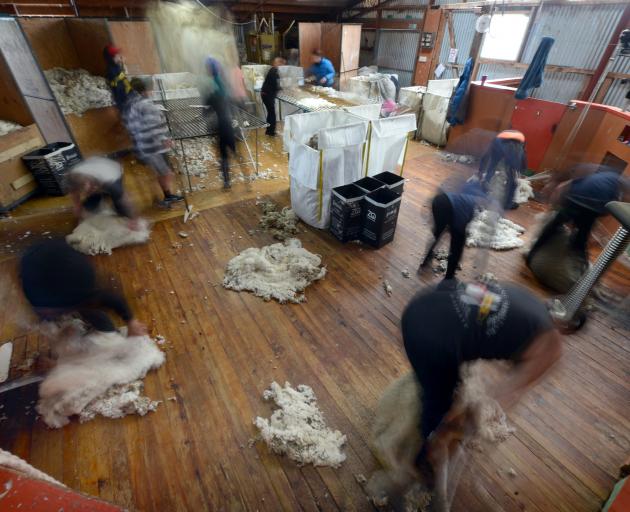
(319, 255)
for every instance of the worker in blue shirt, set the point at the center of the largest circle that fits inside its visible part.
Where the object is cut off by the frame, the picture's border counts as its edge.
(322, 69)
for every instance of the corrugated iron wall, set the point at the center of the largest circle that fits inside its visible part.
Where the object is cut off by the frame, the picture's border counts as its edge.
(464, 28)
(581, 33)
(616, 94)
(396, 52)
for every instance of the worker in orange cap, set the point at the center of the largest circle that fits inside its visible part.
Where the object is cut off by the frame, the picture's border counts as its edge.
(501, 166)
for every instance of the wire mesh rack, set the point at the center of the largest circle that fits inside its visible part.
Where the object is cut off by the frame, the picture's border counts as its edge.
(189, 118)
(294, 101)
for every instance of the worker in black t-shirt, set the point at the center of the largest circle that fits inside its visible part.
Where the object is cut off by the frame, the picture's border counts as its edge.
(268, 93)
(454, 323)
(58, 281)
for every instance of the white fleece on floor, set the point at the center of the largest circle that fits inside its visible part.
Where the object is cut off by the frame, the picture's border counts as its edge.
(8, 460)
(489, 230)
(102, 232)
(96, 373)
(298, 429)
(523, 191)
(279, 271)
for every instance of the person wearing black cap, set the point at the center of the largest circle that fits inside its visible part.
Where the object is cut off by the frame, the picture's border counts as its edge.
(58, 281)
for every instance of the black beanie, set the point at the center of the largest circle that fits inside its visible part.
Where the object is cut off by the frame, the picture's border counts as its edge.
(54, 275)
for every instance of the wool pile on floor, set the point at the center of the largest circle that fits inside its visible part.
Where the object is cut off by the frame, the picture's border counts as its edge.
(281, 224)
(102, 232)
(96, 373)
(279, 271)
(396, 438)
(298, 428)
(490, 230)
(76, 90)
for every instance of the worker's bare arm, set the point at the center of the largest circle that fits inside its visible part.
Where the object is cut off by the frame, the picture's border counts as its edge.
(537, 359)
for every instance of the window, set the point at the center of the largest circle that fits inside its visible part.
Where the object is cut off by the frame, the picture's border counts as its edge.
(504, 39)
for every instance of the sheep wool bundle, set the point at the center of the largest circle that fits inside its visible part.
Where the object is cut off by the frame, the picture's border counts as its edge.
(489, 230)
(397, 440)
(298, 428)
(523, 192)
(102, 232)
(76, 90)
(96, 373)
(7, 127)
(282, 224)
(279, 271)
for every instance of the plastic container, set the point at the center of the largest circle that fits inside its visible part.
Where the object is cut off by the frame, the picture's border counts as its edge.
(50, 164)
(380, 216)
(368, 184)
(346, 210)
(392, 181)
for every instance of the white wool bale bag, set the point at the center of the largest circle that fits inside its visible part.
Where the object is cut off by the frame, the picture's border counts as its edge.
(336, 161)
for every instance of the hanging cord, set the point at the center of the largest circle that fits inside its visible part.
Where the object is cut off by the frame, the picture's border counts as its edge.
(219, 17)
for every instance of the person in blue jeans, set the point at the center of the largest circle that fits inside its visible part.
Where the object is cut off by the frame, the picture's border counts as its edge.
(322, 69)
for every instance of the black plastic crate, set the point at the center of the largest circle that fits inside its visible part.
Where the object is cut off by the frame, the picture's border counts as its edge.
(368, 184)
(50, 163)
(346, 212)
(392, 181)
(380, 215)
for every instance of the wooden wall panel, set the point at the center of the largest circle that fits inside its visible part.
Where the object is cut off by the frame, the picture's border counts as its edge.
(350, 48)
(12, 105)
(16, 181)
(89, 37)
(310, 39)
(330, 43)
(138, 44)
(51, 42)
(99, 131)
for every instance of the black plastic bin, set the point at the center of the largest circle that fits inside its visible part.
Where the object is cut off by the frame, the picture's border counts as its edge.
(50, 164)
(392, 181)
(368, 184)
(380, 215)
(346, 208)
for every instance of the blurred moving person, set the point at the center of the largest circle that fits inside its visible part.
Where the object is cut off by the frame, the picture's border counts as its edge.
(502, 165)
(454, 210)
(446, 326)
(117, 77)
(95, 180)
(151, 139)
(580, 197)
(268, 93)
(321, 70)
(216, 98)
(59, 281)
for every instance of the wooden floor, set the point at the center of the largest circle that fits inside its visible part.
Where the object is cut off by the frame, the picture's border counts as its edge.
(192, 454)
